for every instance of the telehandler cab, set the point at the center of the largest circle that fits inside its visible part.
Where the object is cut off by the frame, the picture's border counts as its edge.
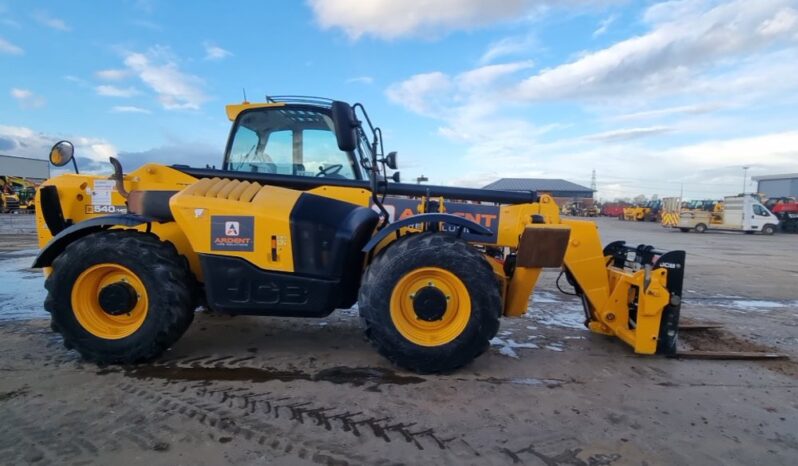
(303, 218)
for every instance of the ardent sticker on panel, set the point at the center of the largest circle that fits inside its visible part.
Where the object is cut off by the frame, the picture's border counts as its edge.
(232, 233)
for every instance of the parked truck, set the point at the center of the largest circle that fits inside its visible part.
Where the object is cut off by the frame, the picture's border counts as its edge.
(740, 213)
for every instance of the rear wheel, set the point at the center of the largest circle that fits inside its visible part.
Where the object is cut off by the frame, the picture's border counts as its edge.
(700, 228)
(430, 303)
(684, 230)
(119, 296)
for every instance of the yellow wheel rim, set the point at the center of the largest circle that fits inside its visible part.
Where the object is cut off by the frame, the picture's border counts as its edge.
(430, 333)
(86, 302)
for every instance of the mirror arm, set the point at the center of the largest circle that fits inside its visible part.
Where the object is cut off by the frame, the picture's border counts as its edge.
(75, 164)
(119, 177)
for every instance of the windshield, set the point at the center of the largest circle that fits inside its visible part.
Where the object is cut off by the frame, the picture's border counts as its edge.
(297, 141)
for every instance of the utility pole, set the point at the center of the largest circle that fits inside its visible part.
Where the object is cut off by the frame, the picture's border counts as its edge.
(745, 177)
(593, 181)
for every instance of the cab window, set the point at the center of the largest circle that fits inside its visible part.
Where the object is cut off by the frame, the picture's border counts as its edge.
(759, 210)
(289, 141)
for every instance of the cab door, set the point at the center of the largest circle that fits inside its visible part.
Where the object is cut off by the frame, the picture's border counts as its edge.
(761, 216)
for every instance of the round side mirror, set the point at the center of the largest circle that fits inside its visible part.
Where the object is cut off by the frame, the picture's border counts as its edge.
(62, 153)
(390, 160)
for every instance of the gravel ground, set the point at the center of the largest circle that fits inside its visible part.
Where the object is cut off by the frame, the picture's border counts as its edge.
(311, 391)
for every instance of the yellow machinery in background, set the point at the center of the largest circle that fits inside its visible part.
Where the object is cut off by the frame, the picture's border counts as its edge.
(674, 207)
(650, 211)
(304, 218)
(17, 193)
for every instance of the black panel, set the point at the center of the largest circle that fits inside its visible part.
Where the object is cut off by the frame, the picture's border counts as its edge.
(399, 189)
(235, 286)
(51, 209)
(327, 238)
(153, 204)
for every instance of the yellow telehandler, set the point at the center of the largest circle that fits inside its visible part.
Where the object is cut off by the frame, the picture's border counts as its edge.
(304, 218)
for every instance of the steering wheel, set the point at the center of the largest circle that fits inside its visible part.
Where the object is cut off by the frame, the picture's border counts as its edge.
(329, 170)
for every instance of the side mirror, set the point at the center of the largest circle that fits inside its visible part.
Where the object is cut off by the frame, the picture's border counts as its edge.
(345, 124)
(395, 177)
(62, 153)
(390, 160)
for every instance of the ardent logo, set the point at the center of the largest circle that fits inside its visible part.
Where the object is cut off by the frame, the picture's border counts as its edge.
(231, 228)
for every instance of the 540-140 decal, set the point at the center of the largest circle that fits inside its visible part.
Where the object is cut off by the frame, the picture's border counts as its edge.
(105, 209)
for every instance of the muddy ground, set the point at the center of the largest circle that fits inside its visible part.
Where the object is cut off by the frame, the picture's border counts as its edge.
(274, 390)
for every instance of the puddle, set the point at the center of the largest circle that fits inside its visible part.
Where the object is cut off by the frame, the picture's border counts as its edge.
(529, 381)
(21, 288)
(356, 376)
(508, 347)
(553, 310)
(740, 304)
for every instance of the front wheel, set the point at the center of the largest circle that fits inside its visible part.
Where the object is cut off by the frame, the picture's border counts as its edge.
(768, 230)
(119, 296)
(700, 228)
(430, 303)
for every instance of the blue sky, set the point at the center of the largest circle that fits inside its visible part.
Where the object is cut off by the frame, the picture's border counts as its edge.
(652, 95)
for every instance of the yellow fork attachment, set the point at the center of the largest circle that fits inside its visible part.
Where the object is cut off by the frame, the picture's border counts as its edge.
(633, 293)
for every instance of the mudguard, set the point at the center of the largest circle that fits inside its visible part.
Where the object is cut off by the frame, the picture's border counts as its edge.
(463, 223)
(60, 241)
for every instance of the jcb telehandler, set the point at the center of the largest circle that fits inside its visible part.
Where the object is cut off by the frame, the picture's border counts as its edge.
(303, 218)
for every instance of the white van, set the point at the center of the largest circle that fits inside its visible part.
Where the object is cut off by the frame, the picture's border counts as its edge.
(740, 213)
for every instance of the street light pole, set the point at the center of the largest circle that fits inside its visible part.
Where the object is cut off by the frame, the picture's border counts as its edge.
(745, 177)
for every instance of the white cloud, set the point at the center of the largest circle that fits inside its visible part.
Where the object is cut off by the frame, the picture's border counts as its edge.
(438, 94)
(27, 99)
(604, 25)
(161, 73)
(626, 134)
(26, 142)
(128, 109)
(214, 52)
(697, 71)
(418, 93)
(694, 109)
(678, 47)
(9, 48)
(392, 19)
(112, 74)
(360, 80)
(784, 21)
(108, 90)
(52, 22)
(509, 46)
(487, 75)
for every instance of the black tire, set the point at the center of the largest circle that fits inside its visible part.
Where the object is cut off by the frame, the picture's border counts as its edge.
(159, 267)
(768, 229)
(684, 230)
(430, 250)
(700, 228)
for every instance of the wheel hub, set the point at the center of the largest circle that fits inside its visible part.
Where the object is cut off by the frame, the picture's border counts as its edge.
(429, 304)
(118, 298)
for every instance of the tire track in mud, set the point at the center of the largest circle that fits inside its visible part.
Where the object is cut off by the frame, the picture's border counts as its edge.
(242, 413)
(221, 411)
(80, 436)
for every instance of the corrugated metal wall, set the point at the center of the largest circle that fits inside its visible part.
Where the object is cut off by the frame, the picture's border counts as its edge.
(24, 167)
(779, 188)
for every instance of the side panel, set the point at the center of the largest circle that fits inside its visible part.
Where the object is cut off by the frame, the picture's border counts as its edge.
(236, 286)
(84, 197)
(215, 215)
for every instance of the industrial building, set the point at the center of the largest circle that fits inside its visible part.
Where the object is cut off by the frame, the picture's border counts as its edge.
(24, 167)
(561, 190)
(777, 185)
